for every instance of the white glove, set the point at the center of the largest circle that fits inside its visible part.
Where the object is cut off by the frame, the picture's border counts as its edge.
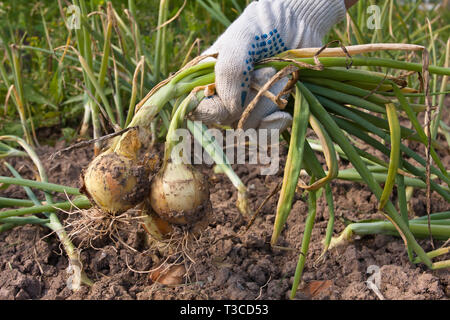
(265, 28)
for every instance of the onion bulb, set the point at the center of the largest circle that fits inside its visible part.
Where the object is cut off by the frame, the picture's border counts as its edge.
(115, 182)
(179, 194)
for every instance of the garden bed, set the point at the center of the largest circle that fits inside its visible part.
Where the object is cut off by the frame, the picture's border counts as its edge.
(228, 262)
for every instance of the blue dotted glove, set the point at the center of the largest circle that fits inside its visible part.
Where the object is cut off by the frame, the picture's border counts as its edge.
(265, 28)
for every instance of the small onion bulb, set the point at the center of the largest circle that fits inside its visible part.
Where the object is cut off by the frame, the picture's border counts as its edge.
(179, 194)
(116, 183)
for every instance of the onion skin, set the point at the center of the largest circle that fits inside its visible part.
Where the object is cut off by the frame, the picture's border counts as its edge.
(160, 232)
(115, 182)
(179, 194)
(156, 227)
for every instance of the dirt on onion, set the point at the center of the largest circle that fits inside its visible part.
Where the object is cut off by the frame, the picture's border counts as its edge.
(179, 194)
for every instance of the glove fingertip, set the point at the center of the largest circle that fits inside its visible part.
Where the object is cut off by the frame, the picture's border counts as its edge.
(211, 110)
(278, 120)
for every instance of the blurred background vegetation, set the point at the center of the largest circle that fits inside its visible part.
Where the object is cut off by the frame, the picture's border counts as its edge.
(42, 85)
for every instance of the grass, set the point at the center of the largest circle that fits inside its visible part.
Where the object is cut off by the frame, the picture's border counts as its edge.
(111, 45)
(57, 98)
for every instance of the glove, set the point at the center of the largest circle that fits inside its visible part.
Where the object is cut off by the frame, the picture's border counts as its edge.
(264, 29)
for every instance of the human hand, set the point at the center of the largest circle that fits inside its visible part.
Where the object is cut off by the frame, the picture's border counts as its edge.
(265, 28)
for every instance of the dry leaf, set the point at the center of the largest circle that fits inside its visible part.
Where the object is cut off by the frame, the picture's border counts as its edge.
(172, 275)
(315, 287)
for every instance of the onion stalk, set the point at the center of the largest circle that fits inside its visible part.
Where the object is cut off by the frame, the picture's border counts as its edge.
(199, 131)
(15, 217)
(439, 228)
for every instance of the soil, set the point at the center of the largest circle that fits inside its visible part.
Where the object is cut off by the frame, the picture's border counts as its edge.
(226, 261)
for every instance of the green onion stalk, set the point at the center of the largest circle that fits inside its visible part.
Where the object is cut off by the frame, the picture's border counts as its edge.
(339, 137)
(439, 228)
(200, 133)
(317, 94)
(17, 217)
(8, 151)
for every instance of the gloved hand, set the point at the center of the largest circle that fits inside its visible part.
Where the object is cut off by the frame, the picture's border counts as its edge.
(264, 29)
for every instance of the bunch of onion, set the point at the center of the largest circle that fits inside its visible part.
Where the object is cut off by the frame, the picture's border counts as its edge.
(114, 190)
(336, 89)
(172, 204)
(117, 180)
(194, 75)
(178, 195)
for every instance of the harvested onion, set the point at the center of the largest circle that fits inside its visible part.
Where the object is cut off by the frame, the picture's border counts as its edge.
(116, 183)
(179, 194)
(115, 180)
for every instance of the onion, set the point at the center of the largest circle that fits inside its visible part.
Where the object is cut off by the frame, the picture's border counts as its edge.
(115, 182)
(179, 194)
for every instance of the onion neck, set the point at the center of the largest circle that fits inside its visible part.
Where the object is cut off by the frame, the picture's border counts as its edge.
(172, 139)
(150, 109)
